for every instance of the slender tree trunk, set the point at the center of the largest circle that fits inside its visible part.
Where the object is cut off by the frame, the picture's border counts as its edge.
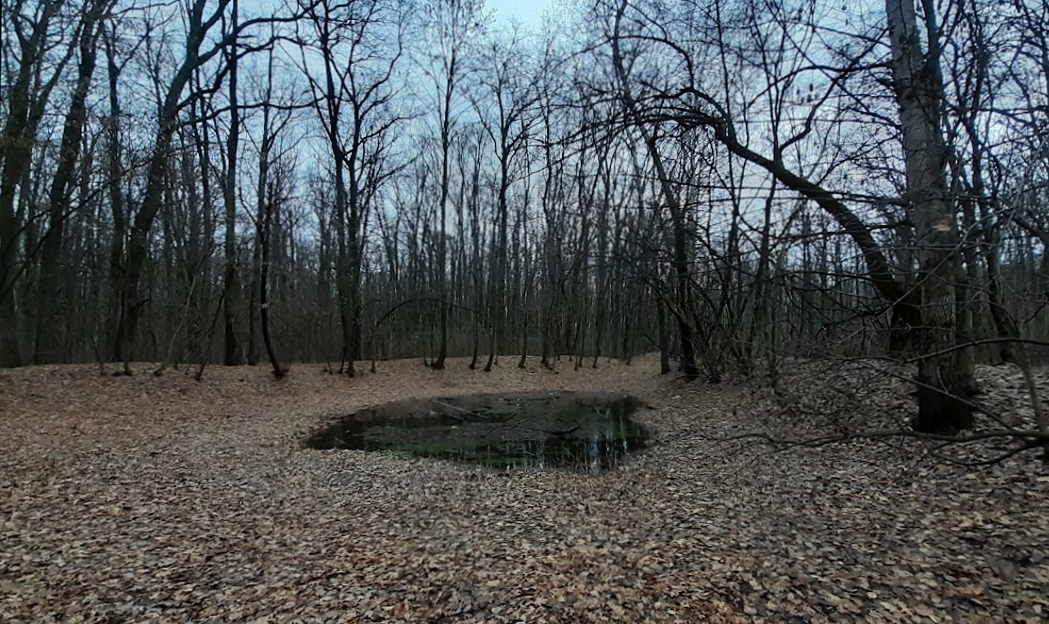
(58, 198)
(664, 335)
(114, 326)
(498, 306)
(343, 262)
(265, 230)
(232, 353)
(602, 288)
(253, 310)
(680, 261)
(202, 233)
(525, 284)
(759, 340)
(442, 244)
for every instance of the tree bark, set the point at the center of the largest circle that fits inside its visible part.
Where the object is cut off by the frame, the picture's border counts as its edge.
(233, 354)
(265, 231)
(943, 382)
(116, 202)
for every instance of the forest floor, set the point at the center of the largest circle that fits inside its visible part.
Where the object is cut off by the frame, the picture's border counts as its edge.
(133, 499)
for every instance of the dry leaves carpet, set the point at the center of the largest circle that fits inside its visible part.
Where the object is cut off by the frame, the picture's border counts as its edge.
(164, 499)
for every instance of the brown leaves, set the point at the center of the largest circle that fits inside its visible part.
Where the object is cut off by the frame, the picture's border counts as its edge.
(129, 499)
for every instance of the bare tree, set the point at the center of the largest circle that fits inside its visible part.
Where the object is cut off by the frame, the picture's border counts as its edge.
(272, 192)
(506, 113)
(359, 45)
(232, 352)
(200, 25)
(36, 29)
(455, 24)
(59, 200)
(944, 382)
(682, 301)
(943, 403)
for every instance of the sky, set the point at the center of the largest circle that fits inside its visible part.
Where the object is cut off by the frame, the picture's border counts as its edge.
(528, 12)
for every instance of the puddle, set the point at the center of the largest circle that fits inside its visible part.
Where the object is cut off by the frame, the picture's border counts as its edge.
(575, 431)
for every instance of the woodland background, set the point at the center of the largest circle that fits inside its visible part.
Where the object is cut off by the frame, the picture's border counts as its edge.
(726, 181)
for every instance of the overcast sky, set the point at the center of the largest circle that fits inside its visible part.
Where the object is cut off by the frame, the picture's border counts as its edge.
(528, 12)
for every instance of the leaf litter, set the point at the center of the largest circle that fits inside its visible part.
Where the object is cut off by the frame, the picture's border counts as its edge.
(165, 499)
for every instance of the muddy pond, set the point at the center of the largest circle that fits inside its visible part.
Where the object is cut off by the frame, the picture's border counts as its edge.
(573, 431)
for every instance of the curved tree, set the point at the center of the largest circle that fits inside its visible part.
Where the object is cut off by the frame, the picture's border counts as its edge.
(682, 96)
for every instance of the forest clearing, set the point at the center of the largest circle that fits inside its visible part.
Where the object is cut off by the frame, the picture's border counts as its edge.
(809, 238)
(160, 498)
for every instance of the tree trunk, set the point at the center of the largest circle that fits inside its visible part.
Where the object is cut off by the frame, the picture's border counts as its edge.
(116, 202)
(498, 303)
(253, 310)
(442, 244)
(233, 355)
(918, 83)
(156, 179)
(265, 230)
(664, 334)
(680, 261)
(24, 110)
(58, 197)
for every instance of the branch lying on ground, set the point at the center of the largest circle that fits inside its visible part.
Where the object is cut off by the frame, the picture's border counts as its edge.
(1030, 440)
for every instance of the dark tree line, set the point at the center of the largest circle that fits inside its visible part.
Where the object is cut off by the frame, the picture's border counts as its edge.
(729, 182)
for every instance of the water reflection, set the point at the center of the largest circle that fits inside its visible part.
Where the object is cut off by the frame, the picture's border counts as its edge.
(589, 432)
